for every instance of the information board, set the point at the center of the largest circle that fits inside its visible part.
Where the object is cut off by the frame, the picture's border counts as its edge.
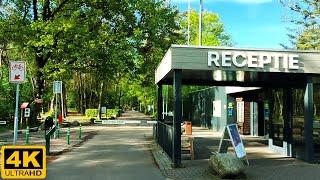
(236, 140)
(57, 87)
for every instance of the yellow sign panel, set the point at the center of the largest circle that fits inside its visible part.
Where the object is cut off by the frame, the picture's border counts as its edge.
(23, 162)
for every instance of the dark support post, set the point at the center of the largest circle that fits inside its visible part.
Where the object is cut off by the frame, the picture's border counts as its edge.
(288, 119)
(308, 121)
(177, 117)
(159, 108)
(271, 104)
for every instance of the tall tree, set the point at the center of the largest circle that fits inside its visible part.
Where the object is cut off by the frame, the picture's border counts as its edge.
(213, 33)
(102, 37)
(306, 21)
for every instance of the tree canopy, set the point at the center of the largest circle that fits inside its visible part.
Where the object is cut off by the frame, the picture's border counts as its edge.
(306, 21)
(104, 51)
(213, 33)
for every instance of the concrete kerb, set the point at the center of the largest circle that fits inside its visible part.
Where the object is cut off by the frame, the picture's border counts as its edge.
(58, 146)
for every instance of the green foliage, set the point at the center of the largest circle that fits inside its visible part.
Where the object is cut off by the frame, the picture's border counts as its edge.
(309, 39)
(113, 112)
(213, 33)
(306, 23)
(105, 52)
(91, 112)
(85, 43)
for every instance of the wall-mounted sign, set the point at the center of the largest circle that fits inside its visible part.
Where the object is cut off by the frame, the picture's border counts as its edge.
(216, 111)
(17, 71)
(266, 111)
(253, 59)
(230, 109)
(240, 111)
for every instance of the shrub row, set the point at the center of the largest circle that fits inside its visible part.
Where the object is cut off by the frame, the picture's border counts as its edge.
(110, 112)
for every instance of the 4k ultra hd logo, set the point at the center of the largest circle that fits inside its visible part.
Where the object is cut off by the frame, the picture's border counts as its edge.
(23, 162)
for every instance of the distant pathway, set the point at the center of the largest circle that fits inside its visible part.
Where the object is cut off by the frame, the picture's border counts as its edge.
(134, 115)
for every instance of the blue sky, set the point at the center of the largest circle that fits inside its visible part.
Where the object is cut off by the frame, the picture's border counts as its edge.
(251, 23)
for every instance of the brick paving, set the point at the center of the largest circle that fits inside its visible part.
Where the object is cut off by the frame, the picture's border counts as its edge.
(196, 169)
(264, 164)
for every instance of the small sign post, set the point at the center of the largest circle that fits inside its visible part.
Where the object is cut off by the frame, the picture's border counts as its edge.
(57, 88)
(103, 109)
(17, 74)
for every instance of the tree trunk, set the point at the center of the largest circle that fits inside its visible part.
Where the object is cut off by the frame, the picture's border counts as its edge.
(52, 103)
(119, 99)
(81, 94)
(145, 104)
(39, 87)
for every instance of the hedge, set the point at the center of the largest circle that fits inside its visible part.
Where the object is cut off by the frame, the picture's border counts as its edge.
(91, 112)
(113, 112)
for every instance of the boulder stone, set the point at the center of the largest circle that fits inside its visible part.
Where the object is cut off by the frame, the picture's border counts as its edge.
(75, 123)
(225, 165)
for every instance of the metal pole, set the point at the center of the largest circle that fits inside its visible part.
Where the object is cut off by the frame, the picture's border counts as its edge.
(27, 135)
(68, 136)
(189, 14)
(62, 105)
(162, 108)
(167, 99)
(177, 117)
(80, 131)
(58, 130)
(55, 116)
(200, 23)
(15, 133)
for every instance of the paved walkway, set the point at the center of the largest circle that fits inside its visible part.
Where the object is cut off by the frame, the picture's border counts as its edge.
(264, 164)
(114, 153)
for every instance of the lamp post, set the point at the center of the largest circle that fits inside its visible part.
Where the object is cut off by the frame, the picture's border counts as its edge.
(189, 14)
(200, 22)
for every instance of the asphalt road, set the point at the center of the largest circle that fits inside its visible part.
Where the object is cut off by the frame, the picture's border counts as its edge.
(114, 153)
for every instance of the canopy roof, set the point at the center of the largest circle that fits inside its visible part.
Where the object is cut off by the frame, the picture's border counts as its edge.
(226, 66)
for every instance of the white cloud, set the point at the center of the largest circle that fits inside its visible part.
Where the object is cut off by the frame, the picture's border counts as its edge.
(230, 1)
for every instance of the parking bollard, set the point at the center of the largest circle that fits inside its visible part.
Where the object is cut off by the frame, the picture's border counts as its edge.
(68, 136)
(58, 131)
(27, 135)
(80, 131)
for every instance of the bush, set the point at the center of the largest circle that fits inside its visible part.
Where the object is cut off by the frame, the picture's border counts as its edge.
(91, 112)
(113, 112)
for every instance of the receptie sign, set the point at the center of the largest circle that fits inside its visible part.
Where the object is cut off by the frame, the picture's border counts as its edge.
(23, 162)
(17, 71)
